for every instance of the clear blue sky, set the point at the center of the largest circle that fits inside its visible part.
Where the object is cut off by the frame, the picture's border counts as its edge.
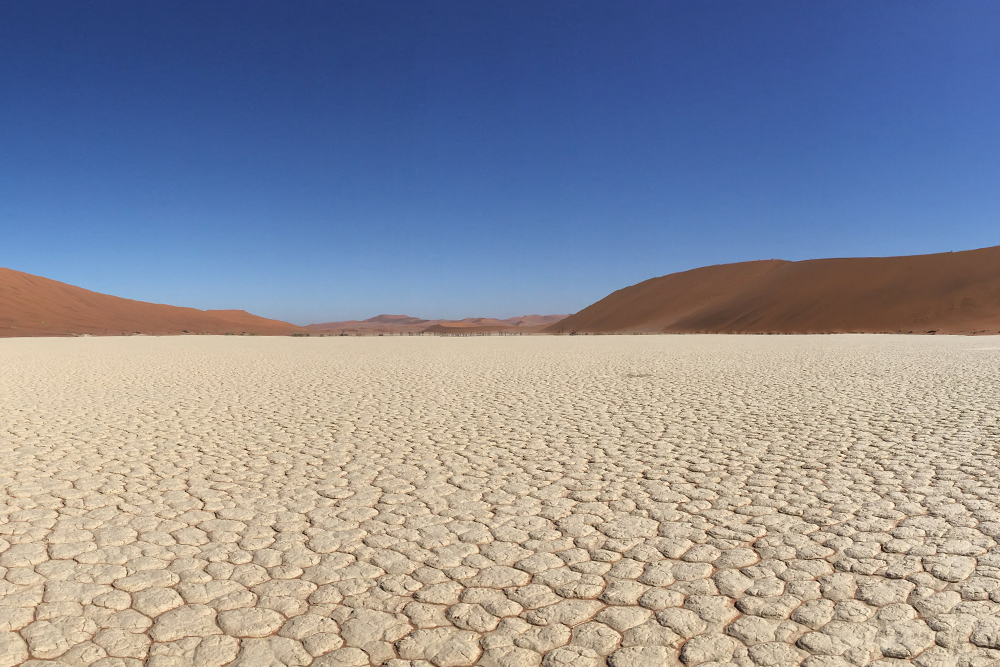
(313, 161)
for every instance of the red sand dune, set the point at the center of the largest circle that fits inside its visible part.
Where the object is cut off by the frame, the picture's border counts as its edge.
(395, 324)
(35, 306)
(953, 293)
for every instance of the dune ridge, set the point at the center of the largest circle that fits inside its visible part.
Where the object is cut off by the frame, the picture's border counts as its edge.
(945, 293)
(35, 306)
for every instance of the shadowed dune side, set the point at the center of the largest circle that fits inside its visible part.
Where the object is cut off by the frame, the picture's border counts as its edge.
(942, 293)
(35, 306)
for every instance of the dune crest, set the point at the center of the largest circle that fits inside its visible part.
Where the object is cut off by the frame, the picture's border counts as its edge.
(35, 306)
(945, 293)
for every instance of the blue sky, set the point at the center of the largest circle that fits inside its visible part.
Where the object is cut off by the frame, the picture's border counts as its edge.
(314, 161)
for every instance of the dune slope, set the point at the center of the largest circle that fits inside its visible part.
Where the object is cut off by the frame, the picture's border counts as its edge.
(942, 293)
(35, 306)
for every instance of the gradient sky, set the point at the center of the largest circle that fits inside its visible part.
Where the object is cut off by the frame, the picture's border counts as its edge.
(315, 161)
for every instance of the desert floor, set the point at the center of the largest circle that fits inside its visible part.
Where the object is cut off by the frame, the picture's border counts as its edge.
(577, 501)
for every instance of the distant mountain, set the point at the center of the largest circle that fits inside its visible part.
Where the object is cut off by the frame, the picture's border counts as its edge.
(35, 306)
(523, 324)
(395, 319)
(404, 324)
(377, 324)
(955, 292)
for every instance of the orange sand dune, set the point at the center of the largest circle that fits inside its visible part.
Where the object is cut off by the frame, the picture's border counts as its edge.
(35, 306)
(956, 293)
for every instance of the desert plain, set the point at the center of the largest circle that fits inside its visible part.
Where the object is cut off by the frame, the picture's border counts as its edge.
(519, 501)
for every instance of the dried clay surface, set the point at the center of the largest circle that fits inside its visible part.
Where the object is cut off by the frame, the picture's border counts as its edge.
(507, 502)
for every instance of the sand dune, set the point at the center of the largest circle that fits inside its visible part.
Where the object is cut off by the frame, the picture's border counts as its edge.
(35, 306)
(955, 293)
(948, 293)
(395, 324)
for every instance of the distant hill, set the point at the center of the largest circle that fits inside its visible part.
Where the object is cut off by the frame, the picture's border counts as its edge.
(404, 324)
(377, 324)
(395, 319)
(523, 324)
(955, 292)
(35, 306)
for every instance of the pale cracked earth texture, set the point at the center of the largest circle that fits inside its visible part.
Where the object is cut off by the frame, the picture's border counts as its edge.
(628, 501)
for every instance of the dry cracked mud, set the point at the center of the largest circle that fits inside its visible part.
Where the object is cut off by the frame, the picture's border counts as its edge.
(508, 502)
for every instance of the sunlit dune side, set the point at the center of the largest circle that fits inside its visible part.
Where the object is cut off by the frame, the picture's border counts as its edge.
(35, 306)
(945, 293)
